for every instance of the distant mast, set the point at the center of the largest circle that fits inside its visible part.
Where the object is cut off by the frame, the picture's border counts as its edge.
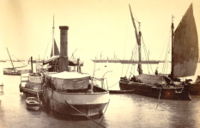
(54, 49)
(138, 39)
(53, 37)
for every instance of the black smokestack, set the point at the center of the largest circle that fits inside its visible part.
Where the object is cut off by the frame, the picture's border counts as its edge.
(63, 61)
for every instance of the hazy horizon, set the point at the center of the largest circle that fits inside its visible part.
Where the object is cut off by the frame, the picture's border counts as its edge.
(95, 26)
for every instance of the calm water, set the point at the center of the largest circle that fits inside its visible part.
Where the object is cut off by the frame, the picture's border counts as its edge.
(124, 110)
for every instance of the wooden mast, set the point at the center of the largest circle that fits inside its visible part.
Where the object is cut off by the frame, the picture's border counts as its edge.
(139, 52)
(172, 43)
(138, 39)
(10, 59)
(31, 64)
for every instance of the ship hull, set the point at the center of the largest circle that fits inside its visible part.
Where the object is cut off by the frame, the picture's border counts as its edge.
(30, 91)
(167, 92)
(31, 84)
(84, 104)
(195, 89)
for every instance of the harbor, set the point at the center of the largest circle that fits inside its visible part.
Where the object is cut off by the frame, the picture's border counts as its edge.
(124, 110)
(74, 71)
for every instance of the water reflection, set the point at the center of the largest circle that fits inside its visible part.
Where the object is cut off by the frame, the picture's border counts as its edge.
(139, 111)
(124, 111)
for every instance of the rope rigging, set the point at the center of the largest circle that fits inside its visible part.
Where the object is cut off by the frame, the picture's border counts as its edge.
(45, 51)
(135, 55)
(122, 71)
(132, 56)
(168, 51)
(131, 68)
(149, 68)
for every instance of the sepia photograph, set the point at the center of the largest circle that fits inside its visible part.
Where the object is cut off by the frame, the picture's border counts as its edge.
(99, 64)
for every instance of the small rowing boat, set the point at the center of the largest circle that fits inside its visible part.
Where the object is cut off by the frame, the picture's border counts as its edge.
(32, 103)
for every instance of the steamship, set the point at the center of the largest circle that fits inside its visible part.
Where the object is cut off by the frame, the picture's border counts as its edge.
(71, 93)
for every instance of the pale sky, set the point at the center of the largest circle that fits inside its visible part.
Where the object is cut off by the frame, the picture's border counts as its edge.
(95, 26)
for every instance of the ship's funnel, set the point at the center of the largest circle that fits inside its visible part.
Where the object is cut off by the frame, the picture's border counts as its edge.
(63, 61)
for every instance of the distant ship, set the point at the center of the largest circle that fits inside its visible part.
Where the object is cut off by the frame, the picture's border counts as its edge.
(184, 63)
(15, 70)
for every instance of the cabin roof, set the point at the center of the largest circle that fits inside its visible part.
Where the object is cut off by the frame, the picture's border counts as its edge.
(69, 75)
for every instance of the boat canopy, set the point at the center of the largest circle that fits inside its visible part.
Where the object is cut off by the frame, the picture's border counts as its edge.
(69, 75)
(68, 80)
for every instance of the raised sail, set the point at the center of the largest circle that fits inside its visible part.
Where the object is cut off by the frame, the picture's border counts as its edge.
(138, 35)
(185, 46)
(54, 50)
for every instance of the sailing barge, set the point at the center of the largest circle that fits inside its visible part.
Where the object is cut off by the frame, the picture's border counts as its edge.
(184, 63)
(71, 93)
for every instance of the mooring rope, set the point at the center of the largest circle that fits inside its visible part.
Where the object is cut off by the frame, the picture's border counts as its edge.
(113, 84)
(159, 96)
(85, 115)
(101, 119)
(107, 84)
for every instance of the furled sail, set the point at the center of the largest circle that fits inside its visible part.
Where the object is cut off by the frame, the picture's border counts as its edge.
(54, 50)
(185, 46)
